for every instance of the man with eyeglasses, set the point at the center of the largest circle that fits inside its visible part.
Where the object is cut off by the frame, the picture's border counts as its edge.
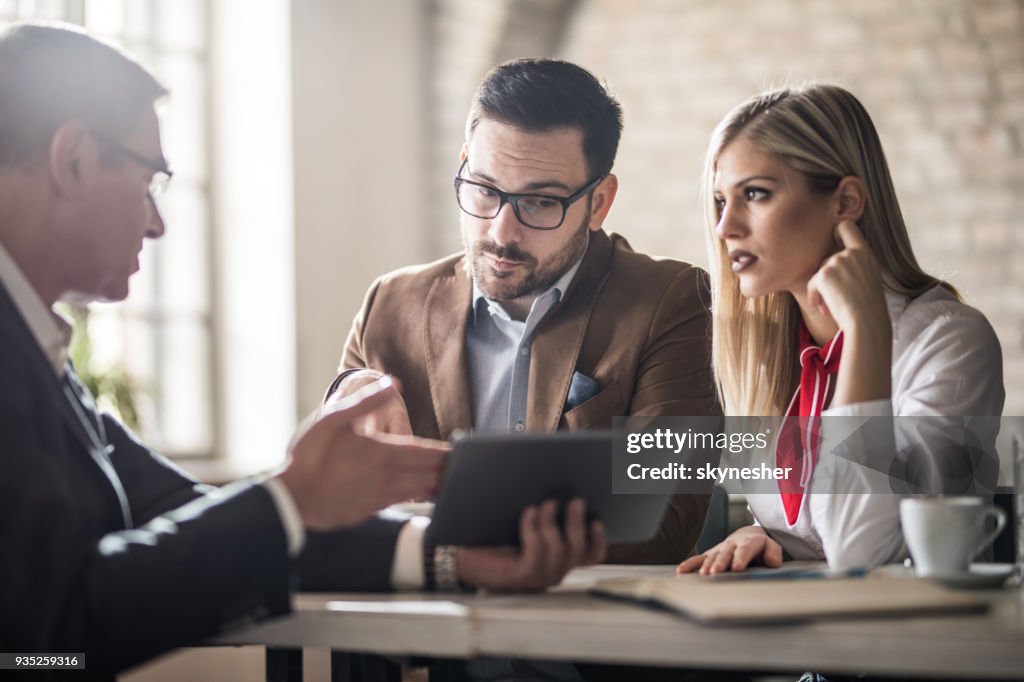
(545, 321)
(110, 552)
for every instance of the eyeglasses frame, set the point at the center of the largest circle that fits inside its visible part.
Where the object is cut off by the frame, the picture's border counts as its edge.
(514, 198)
(157, 184)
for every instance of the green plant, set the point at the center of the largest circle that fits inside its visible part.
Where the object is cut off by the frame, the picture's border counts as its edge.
(111, 386)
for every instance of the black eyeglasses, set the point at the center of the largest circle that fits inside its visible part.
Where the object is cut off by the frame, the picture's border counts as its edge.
(161, 173)
(537, 211)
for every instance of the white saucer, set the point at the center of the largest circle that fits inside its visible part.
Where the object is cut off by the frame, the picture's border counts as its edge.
(978, 577)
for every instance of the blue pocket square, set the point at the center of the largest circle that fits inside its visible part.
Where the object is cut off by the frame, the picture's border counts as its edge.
(582, 389)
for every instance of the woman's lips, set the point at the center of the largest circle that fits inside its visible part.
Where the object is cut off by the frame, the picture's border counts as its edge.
(741, 260)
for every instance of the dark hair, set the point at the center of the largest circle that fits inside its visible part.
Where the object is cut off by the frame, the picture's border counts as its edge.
(51, 74)
(543, 94)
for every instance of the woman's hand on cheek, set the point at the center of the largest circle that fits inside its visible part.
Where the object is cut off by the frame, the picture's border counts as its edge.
(848, 285)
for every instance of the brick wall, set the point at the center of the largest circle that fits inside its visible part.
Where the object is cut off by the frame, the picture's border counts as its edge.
(464, 36)
(943, 80)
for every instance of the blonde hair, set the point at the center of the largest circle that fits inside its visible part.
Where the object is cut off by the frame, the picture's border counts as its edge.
(823, 132)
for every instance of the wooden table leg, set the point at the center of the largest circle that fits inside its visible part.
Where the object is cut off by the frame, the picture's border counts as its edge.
(347, 667)
(284, 665)
(448, 670)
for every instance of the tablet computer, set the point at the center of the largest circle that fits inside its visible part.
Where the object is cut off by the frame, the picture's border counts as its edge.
(490, 478)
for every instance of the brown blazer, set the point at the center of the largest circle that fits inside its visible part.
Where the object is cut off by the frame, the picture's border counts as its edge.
(638, 326)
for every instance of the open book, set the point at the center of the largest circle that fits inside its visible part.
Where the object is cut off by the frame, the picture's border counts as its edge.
(764, 601)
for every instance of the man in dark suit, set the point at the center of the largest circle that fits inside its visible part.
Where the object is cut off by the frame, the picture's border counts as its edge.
(109, 549)
(545, 321)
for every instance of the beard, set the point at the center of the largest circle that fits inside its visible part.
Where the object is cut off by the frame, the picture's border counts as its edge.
(531, 278)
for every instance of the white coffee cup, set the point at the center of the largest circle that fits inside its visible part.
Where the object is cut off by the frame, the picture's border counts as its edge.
(945, 533)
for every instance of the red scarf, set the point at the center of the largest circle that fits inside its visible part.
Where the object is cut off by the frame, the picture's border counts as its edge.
(798, 438)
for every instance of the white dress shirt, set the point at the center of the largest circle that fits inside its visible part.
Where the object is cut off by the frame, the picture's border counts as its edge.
(946, 361)
(499, 350)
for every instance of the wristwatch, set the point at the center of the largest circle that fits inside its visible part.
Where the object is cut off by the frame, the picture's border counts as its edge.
(440, 571)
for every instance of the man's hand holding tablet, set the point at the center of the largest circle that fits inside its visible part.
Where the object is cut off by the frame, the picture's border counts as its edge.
(545, 554)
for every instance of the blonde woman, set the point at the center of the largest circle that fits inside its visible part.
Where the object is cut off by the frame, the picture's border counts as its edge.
(820, 308)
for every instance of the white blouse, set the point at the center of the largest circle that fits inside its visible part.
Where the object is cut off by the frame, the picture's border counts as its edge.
(946, 362)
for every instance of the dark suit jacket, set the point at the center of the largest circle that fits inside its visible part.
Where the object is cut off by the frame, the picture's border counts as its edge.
(121, 555)
(638, 326)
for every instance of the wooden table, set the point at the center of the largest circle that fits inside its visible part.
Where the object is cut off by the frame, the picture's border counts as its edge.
(568, 624)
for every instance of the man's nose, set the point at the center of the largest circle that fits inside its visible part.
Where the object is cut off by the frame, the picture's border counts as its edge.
(505, 227)
(155, 224)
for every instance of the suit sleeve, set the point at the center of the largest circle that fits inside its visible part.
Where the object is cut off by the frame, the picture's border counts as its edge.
(122, 597)
(353, 356)
(366, 552)
(356, 559)
(157, 484)
(674, 379)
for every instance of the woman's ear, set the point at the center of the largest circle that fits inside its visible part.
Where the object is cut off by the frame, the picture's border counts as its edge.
(851, 197)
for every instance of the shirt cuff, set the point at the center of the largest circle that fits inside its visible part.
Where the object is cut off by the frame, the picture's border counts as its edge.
(407, 568)
(294, 531)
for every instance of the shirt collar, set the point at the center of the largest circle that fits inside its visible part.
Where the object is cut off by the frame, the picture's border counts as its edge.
(558, 288)
(51, 331)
